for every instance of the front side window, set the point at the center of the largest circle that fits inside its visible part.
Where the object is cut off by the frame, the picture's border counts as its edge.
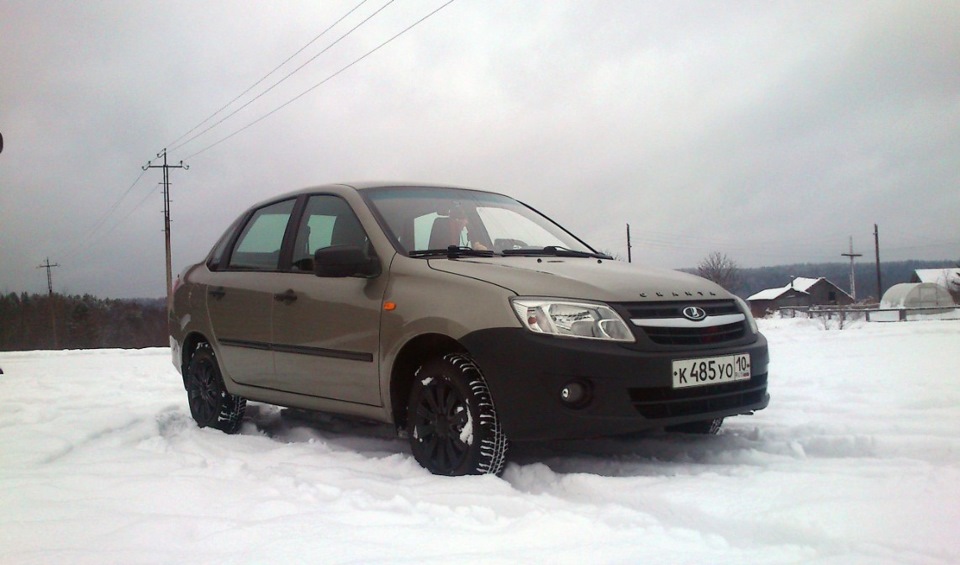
(327, 221)
(258, 247)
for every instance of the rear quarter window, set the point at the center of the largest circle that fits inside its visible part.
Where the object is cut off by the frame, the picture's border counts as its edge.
(220, 249)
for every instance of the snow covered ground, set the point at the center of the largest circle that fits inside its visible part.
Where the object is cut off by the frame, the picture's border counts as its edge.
(857, 460)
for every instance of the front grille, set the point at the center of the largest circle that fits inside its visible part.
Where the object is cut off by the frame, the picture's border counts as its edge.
(665, 402)
(695, 336)
(682, 333)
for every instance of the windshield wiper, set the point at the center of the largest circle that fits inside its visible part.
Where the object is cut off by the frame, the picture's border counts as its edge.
(452, 252)
(555, 251)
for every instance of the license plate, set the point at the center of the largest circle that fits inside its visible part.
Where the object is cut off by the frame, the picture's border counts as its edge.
(711, 370)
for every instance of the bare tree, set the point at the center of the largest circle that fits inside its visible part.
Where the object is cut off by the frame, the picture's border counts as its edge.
(722, 270)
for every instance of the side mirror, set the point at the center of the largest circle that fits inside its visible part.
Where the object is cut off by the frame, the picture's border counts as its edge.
(344, 261)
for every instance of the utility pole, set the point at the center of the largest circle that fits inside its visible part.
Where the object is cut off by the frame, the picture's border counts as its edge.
(876, 243)
(629, 247)
(53, 310)
(853, 279)
(166, 216)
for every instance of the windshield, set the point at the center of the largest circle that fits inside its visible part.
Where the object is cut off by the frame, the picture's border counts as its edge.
(431, 219)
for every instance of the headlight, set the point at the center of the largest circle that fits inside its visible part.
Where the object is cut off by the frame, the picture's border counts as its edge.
(746, 312)
(571, 319)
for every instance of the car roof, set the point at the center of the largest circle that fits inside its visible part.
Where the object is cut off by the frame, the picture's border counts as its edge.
(366, 185)
(360, 186)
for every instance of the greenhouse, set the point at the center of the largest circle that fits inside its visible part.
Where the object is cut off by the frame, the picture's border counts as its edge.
(917, 295)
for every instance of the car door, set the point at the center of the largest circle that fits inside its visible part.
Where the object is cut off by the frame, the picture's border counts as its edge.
(326, 332)
(240, 296)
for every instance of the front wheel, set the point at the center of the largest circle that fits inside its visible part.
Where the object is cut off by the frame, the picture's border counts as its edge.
(451, 420)
(210, 403)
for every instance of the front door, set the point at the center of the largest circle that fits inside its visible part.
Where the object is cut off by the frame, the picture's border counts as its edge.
(326, 330)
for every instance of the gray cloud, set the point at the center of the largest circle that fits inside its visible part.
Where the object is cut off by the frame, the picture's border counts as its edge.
(769, 131)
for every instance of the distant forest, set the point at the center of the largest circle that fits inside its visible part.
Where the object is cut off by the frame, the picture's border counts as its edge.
(87, 322)
(82, 322)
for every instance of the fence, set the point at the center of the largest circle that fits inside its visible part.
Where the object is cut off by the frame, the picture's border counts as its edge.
(871, 313)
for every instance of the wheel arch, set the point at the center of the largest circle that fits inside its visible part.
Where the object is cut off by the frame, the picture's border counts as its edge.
(416, 351)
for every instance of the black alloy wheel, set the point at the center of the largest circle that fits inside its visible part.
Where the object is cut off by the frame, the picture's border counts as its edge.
(210, 403)
(451, 421)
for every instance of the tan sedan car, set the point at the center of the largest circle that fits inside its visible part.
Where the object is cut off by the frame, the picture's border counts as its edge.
(462, 317)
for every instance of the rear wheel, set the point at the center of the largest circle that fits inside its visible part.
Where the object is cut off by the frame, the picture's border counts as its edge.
(210, 403)
(705, 427)
(451, 420)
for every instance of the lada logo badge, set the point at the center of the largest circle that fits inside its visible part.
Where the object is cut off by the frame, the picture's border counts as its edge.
(694, 313)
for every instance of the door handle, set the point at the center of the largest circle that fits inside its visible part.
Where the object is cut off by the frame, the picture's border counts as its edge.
(286, 297)
(217, 293)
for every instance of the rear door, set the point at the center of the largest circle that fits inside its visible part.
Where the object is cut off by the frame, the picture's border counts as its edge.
(240, 296)
(326, 331)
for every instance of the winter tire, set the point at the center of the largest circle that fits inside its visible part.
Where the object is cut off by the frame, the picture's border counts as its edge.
(452, 422)
(705, 427)
(210, 403)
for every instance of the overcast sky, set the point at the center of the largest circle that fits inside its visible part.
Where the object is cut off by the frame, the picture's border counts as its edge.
(769, 131)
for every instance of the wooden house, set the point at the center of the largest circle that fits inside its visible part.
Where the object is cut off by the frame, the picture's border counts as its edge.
(800, 292)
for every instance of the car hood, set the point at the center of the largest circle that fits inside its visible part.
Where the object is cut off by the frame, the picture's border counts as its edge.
(583, 278)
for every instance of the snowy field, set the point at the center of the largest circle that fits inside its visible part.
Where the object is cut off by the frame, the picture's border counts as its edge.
(857, 460)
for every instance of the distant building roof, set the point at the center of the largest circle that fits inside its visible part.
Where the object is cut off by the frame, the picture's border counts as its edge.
(944, 277)
(799, 284)
(768, 294)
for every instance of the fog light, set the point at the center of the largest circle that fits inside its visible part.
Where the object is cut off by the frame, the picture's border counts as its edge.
(575, 394)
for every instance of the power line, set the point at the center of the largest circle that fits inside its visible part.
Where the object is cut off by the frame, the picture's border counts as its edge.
(288, 75)
(83, 245)
(321, 83)
(681, 240)
(99, 223)
(125, 216)
(264, 77)
(79, 251)
(942, 243)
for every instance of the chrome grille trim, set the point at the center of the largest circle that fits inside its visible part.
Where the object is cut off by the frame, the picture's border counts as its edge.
(708, 322)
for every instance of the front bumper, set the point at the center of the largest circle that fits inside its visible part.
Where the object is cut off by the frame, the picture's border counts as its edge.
(629, 390)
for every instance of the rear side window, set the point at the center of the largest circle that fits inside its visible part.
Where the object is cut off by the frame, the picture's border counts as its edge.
(216, 256)
(259, 244)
